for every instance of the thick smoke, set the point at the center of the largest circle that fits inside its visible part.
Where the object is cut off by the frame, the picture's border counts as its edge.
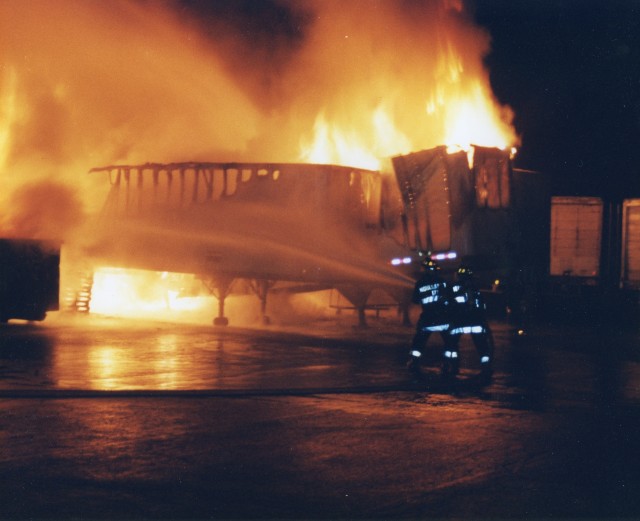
(86, 83)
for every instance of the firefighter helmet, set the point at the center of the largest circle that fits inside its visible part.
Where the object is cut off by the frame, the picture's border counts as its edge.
(430, 265)
(465, 272)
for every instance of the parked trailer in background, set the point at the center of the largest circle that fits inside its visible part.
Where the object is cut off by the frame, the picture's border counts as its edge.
(594, 261)
(595, 243)
(29, 279)
(576, 237)
(630, 254)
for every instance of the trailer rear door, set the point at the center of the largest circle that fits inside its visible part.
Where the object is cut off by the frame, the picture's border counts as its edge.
(576, 232)
(631, 243)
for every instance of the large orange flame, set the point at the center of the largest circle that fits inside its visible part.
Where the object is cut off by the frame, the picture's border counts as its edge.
(8, 112)
(362, 147)
(443, 97)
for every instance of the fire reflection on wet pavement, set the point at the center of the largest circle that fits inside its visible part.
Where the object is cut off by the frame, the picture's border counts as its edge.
(106, 418)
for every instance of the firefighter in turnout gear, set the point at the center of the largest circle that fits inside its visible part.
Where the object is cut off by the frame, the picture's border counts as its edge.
(469, 317)
(433, 293)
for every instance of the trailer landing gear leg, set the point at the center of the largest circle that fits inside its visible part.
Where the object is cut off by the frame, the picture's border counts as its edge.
(261, 288)
(358, 296)
(220, 288)
(403, 297)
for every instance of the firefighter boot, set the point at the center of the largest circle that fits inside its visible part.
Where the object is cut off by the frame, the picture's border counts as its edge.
(486, 371)
(413, 365)
(450, 363)
(455, 365)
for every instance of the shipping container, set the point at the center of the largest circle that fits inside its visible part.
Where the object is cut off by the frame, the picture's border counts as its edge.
(29, 279)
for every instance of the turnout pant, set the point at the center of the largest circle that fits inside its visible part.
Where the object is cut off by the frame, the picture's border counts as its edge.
(483, 343)
(449, 352)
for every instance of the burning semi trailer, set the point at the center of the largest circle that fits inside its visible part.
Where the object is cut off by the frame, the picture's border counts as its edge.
(278, 227)
(298, 228)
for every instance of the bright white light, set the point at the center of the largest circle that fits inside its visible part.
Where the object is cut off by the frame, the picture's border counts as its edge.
(444, 256)
(398, 261)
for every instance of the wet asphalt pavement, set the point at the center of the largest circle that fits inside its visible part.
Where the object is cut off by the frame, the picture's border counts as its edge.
(108, 419)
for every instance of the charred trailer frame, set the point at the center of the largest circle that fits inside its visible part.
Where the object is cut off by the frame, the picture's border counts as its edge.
(267, 223)
(484, 214)
(29, 279)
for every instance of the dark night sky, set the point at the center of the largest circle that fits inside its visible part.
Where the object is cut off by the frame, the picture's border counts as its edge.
(570, 69)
